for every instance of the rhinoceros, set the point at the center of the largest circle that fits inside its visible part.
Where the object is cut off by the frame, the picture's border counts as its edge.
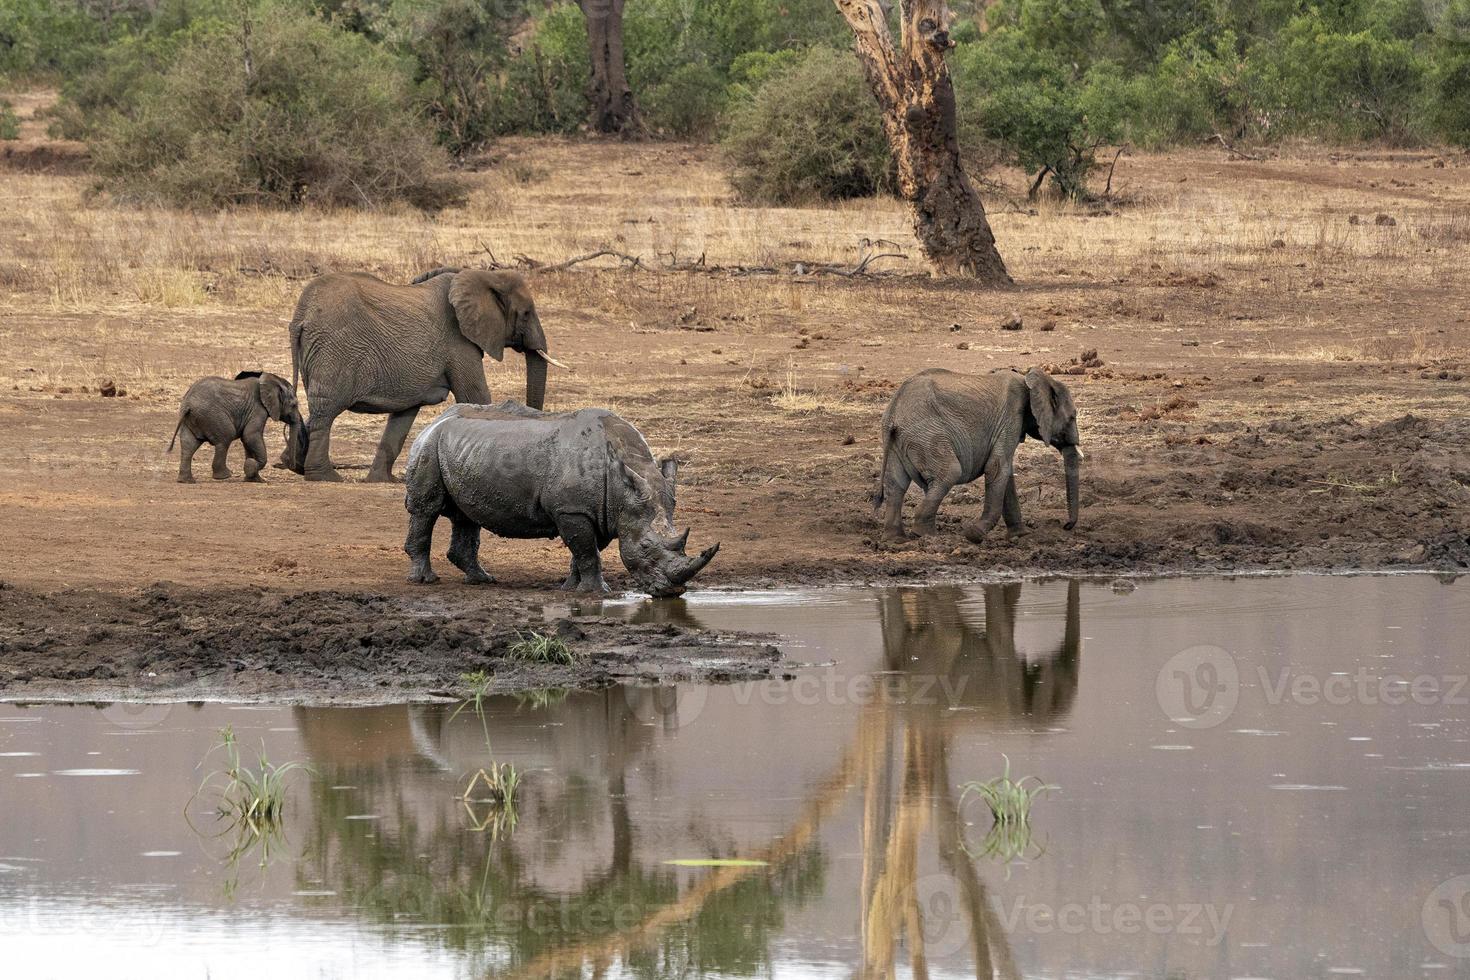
(585, 476)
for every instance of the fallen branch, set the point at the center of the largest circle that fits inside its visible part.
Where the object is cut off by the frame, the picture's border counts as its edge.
(250, 270)
(1108, 188)
(1230, 149)
(858, 270)
(527, 262)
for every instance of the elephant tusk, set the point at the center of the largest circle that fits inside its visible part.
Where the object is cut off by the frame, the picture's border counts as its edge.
(551, 360)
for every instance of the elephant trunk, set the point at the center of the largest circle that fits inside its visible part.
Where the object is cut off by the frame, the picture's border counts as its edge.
(293, 457)
(1072, 459)
(535, 379)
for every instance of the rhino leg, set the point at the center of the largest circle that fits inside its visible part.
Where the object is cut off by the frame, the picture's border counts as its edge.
(416, 545)
(578, 534)
(464, 550)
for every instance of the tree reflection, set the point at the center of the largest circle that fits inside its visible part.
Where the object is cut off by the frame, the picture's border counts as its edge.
(575, 888)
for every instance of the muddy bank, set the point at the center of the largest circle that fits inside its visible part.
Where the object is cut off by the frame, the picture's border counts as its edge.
(169, 642)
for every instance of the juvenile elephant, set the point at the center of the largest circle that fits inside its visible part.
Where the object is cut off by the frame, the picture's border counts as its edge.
(220, 410)
(363, 345)
(943, 428)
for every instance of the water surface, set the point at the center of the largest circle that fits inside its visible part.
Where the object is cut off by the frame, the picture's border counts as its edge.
(1255, 778)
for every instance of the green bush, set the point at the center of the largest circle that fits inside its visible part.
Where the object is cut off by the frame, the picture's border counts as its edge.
(687, 103)
(1198, 88)
(811, 132)
(1358, 85)
(1448, 79)
(9, 121)
(278, 109)
(456, 46)
(679, 57)
(44, 37)
(1044, 114)
(543, 89)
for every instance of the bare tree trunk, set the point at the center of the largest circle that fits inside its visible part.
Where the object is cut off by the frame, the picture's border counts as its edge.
(912, 85)
(613, 109)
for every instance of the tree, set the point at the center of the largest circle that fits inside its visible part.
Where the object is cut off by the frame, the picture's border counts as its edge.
(911, 82)
(613, 108)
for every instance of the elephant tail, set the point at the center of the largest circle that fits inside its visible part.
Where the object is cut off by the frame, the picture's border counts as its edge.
(296, 352)
(890, 433)
(174, 438)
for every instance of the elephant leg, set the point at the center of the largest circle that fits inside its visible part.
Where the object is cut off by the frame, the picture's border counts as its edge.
(464, 550)
(416, 546)
(895, 485)
(255, 456)
(578, 534)
(1012, 510)
(221, 471)
(188, 446)
(939, 485)
(997, 481)
(467, 382)
(319, 466)
(394, 433)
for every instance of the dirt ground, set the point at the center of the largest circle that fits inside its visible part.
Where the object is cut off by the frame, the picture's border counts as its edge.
(1278, 354)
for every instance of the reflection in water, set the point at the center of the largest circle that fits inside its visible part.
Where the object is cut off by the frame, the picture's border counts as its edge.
(906, 745)
(976, 665)
(850, 795)
(415, 863)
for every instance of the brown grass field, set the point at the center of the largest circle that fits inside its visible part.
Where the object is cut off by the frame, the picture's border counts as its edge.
(1282, 380)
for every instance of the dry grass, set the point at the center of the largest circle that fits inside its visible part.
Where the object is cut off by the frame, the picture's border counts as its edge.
(153, 299)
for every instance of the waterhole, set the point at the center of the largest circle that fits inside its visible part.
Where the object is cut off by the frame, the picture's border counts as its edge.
(1264, 777)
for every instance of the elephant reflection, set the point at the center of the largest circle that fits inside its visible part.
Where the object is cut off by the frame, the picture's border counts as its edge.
(904, 754)
(583, 851)
(926, 635)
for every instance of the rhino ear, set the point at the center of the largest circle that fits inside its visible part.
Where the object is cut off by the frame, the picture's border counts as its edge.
(481, 299)
(636, 485)
(670, 470)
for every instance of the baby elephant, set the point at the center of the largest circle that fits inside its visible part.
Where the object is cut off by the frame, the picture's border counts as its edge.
(220, 410)
(944, 428)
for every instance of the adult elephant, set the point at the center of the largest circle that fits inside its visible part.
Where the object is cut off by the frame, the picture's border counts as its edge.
(360, 344)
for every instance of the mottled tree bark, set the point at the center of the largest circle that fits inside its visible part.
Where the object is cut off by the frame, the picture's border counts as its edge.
(613, 108)
(911, 82)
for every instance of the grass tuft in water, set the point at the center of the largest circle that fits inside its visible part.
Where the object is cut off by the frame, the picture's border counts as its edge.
(1009, 801)
(253, 798)
(249, 801)
(541, 648)
(493, 787)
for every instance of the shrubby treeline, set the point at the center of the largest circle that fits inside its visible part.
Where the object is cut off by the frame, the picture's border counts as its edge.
(346, 101)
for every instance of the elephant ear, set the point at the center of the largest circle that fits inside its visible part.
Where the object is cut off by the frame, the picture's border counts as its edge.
(270, 397)
(480, 301)
(1049, 422)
